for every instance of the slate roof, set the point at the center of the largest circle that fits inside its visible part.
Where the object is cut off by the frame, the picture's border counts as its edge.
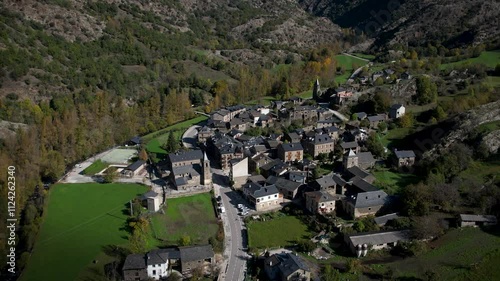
(257, 179)
(136, 165)
(326, 181)
(136, 140)
(291, 264)
(396, 106)
(369, 199)
(194, 253)
(322, 138)
(478, 218)
(287, 263)
(257, 190)
(181, 181)
(382, 220)
(378, 238)
(322, 196)
(272, 143)
(363, 185)
(150, 194)
(361, 115)
(282, 183)
(349, 144)
(330, 129)
(293, 136)
(180, 170)
(185, 156)
(339, 180)
(376, 118)
(135, 261)
(404, 153)
(358, 172)
(365, 157)
(291, 146)
(271, 165)
(157, 256)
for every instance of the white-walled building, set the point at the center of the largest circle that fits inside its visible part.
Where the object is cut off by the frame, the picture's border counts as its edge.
(397, 111)
(262, 197)
(238, 172)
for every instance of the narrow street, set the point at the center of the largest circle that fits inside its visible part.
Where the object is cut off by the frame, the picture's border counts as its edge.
(235, 236)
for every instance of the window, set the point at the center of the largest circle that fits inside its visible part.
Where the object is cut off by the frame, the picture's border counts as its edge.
(154, 272)
(275, 196)
(369, 209)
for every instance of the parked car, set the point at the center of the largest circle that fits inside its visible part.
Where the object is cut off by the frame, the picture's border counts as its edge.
(240, 206)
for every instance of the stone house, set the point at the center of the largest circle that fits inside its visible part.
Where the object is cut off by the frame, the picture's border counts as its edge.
(290, 152)
(321, 201)
(286, 267)
(318, 144)
(404, 158)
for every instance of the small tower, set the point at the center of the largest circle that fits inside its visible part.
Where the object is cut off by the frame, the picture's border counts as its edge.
(205, 166)
(316, 91)
(350, 159)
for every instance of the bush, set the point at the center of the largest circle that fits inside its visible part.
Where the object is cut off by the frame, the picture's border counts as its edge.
(305, 246)
(410, 248)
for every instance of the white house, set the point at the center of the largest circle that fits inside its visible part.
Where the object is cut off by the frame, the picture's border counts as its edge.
(157, 264)
(262, 197)
(397, 111)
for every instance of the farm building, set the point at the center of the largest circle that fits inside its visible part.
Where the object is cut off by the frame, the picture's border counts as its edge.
(476, 220)
(361, 243)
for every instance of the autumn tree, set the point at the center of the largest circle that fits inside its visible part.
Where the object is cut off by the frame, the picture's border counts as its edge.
(143, 155)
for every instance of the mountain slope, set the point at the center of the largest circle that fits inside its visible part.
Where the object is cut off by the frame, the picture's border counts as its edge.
(449, 22)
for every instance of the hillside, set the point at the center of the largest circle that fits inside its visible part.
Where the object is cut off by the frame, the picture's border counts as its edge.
(46, 46)
(414, 22)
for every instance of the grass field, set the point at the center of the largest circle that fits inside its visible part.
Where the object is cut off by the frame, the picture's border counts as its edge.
(95, 168)
(347, 62)
(80, 219)
(278, 232)
(488, 58)
(193, 216)
(157, 139)
(393, 182)
(461, 254)
(482, 170)
(392, 137)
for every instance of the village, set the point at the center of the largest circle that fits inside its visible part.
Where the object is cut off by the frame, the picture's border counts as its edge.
(296, 153)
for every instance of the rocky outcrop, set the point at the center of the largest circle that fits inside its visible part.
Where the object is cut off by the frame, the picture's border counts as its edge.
(464, 126)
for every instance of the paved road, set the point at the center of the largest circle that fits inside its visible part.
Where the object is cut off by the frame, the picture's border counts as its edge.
(189, 137)
(235, 236)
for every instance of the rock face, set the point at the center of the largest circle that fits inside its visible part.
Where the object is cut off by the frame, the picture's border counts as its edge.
(464, 125)
(492, 141)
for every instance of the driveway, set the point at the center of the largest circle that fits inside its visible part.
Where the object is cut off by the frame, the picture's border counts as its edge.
(189, 138)
(235, 236)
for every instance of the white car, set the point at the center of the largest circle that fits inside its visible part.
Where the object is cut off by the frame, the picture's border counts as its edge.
(240, 206)
(222, 209)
